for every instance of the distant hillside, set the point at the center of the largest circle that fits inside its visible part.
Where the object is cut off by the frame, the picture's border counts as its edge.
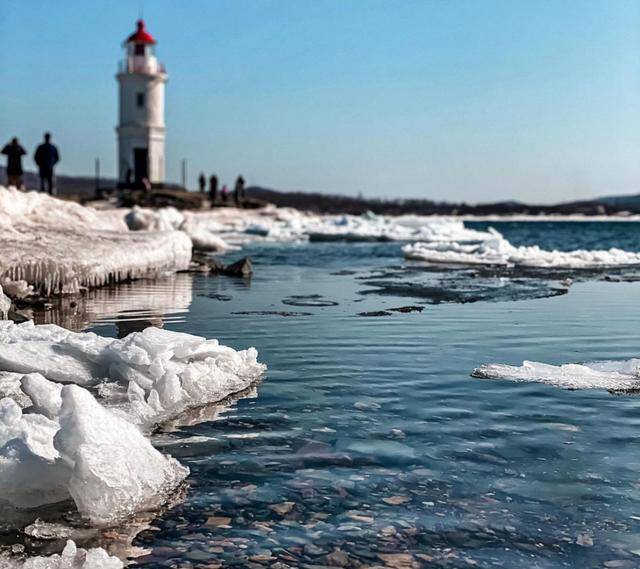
(325, 203)
(83, 187)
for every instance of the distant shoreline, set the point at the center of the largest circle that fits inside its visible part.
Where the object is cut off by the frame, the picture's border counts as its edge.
(623, 208)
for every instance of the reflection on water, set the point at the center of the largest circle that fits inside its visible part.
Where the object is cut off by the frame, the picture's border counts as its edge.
(369, 445)
(131, 306)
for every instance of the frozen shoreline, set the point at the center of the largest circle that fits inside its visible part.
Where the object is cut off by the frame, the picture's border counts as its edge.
(76, 411)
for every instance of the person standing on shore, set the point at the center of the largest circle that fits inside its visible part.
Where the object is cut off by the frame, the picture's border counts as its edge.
(14, 153)
(202, 182)
(46, 157)
(238, 190)
(224, 193)
(213, 188)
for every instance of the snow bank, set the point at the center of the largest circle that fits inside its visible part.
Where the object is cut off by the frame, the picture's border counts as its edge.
(611, 375)
(203, 232)
(70, 558)
(59, 246)
(499, 251)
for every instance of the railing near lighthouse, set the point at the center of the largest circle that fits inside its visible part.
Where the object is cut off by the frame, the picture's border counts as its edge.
(140, 65)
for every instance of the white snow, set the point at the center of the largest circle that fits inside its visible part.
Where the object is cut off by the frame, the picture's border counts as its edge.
(612, 375)
(60, 246)
(71, 557)
(499, 251)
(286, 224)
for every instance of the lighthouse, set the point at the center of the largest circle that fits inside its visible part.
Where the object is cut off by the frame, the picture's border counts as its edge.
(141, 130)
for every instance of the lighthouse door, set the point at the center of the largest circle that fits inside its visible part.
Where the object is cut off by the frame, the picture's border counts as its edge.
(141, 164)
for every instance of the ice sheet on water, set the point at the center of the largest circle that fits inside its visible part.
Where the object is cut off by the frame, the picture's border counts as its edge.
(498, 251)
(71, 557)
(611, 375)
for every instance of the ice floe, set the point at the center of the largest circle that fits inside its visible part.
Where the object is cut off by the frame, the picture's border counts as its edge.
(76, 412)
(498, 251)
(611, 375)
(71, 557)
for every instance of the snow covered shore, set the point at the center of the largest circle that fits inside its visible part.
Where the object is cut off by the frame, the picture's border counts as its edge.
(76, 410)
(59, 246)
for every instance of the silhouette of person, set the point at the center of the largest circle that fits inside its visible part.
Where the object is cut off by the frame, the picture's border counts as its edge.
(225, 193)
(202, 182)
(14, 153)
(238, 190)
(213, 188)
(128, 178)
(46, 157)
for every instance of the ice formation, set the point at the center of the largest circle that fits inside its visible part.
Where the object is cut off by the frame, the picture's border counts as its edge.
(147, 377)
(611, 375)
(59, 246)
(203, 232)
(71, 557)
(76, 410)
(499, 251)
(5, 304)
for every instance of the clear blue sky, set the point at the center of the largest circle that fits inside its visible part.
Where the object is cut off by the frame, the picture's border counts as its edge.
(449, 99)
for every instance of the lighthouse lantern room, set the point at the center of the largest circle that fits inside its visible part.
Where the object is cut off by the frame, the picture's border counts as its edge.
(141, 129)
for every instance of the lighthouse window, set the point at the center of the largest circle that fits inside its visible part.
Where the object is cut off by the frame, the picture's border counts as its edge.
(140, 100)
(139, 49)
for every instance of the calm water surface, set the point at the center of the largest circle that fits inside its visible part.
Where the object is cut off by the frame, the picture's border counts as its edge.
(367, 443)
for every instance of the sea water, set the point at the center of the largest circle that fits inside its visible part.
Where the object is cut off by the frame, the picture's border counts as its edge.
(368, 443)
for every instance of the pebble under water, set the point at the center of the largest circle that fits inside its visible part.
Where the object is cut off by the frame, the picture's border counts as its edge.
(368, 444)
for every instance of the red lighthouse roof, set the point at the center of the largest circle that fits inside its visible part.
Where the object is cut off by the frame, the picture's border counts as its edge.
(141, 35)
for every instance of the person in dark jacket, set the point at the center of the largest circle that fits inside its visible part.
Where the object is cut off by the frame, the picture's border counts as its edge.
(46, 157)
(213, 188)
(14, 153)
(238, 190)
(202, 182)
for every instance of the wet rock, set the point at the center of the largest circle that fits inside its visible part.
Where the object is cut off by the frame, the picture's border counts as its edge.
(217, 521)
(282, 509)
(313, 550)
(584, 540)
(396, 500)
(337, 558)
(242, 268)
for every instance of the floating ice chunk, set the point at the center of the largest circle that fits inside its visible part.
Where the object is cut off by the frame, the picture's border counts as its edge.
(172, 371)
(116, 471)
(611, 375)
(71, 557)
(86, 452)
(499, 251)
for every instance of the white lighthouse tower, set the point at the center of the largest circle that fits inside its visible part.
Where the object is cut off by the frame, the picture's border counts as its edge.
(141, 130)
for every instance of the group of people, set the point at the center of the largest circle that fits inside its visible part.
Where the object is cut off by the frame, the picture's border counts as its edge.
(224, 194)
(46, 157)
